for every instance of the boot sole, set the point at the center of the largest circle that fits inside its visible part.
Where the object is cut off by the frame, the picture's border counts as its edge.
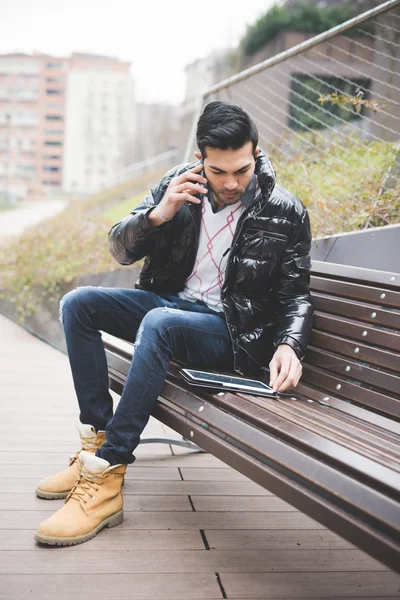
(57, 541)
(56, 495)
(51, 495)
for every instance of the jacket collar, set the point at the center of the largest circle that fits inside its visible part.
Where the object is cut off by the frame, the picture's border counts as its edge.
(265, 174)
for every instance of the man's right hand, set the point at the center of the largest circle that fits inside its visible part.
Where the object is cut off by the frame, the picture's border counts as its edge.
(179, 191)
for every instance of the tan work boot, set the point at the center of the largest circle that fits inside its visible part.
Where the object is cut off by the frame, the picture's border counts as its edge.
(59, 485)
(93, 503)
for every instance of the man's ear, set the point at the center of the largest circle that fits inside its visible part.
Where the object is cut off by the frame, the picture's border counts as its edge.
(198, 155)
(257, 151)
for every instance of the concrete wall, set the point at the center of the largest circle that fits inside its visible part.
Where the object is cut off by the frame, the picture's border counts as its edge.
(376, 248)
(45, 324)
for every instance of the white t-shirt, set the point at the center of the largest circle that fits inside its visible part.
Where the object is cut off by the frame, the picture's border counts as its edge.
(216, 234)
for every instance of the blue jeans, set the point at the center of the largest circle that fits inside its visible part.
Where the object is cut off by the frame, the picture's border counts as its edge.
(162, 328)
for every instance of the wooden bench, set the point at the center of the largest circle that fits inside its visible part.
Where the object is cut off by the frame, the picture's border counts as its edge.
(333, 450)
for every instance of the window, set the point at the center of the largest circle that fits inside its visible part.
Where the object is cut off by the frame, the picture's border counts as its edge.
(57, 80)
(28, 168)
(49, 182)
(53, 143)
(55, 169)
(53, 118)
(54, 92)
(53, 131)
(51, 156)
(55, 65)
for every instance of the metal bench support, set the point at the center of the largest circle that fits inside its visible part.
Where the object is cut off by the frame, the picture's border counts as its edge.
(184, 443)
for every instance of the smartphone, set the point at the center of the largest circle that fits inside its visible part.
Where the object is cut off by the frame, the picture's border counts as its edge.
(209, 194)
(227, 382)
(200, 195)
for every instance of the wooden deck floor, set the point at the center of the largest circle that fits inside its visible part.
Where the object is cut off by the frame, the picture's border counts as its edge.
(193, 529)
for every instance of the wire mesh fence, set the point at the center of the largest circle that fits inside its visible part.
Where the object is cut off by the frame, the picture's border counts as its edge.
(328, 115)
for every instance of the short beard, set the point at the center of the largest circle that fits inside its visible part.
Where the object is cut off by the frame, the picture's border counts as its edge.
(223, 201)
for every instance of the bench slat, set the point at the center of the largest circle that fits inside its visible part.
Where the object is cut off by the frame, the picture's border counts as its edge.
(356, 310)
(351, 410)
(352, 391)
(359, 371)
(366, 353)
(346, 289)
(355, 330)
(336, 426)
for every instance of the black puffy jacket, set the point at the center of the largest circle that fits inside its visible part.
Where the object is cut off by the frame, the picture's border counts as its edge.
(265, 294)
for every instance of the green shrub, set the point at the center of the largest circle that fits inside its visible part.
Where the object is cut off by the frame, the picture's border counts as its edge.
(339, 180)
(34, 264)
(305, 17)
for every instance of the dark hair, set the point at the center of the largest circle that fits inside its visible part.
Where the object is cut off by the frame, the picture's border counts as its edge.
(224, 126)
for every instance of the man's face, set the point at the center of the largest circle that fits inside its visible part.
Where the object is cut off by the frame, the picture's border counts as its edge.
(229, 172)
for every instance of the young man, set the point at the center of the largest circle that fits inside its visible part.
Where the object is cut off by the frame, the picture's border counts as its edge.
(225, 284)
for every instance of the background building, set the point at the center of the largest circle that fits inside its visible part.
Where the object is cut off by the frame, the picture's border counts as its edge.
(100, 117)
(63, 122)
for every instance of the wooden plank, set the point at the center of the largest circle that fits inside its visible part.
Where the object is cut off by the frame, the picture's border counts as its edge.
(192, 474)
(362, 396)
(164, 488)
(115, 539)
(125, 586)
(180, 561)
(384, 380)
(238, 503)
(358, 311)
(131, 502)
(310, 585)
(353, 330)
(345, 346)
(177, 520)
(355, 291)
(39, 471)
(145, 456)
(49, 457)
(254, 539)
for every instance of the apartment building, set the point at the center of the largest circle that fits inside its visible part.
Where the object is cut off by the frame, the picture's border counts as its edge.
(63, 122)
(100, 118)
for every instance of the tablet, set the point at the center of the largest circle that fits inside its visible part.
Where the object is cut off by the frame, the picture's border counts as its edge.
(227, 382)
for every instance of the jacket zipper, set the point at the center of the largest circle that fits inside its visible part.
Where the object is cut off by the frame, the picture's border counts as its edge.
(235, 238)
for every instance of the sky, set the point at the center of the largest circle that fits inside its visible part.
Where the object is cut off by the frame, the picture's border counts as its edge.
(158, 37)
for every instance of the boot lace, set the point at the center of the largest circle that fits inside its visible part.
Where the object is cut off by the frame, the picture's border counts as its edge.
(89, 444)
(87, 481)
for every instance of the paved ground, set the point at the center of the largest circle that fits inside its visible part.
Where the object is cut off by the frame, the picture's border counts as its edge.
(12, 222)
(193, 528)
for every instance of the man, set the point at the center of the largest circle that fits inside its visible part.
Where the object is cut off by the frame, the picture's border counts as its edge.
(225, 284)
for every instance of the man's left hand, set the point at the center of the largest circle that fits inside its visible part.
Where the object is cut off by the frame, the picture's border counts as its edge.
(285, 369)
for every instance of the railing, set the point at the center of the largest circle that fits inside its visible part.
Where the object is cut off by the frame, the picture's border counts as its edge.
(325, 103)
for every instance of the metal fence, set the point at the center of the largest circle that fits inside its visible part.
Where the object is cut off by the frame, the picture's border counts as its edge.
(328, 108)
(164, 160)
